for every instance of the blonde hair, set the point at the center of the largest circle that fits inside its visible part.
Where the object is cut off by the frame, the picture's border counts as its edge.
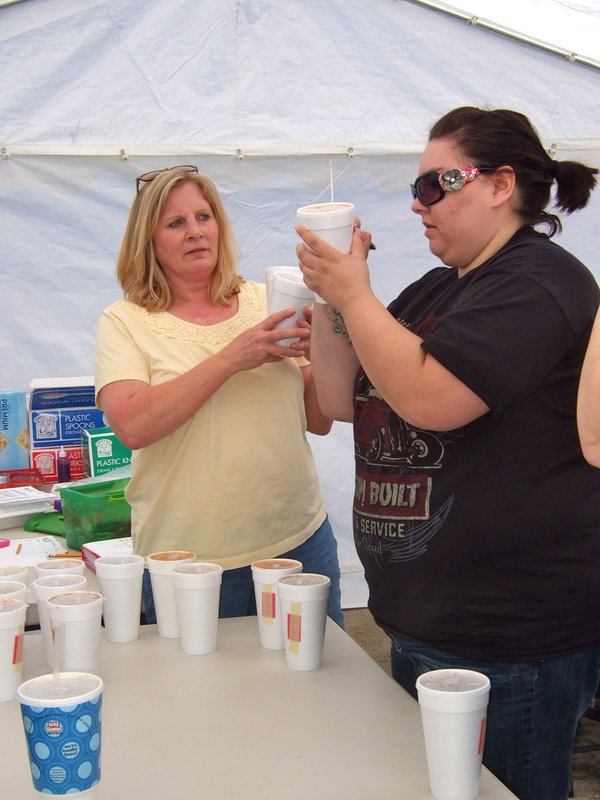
(139, 273)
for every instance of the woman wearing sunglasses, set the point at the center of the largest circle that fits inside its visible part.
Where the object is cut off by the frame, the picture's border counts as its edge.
(475, 515)
(191, 378)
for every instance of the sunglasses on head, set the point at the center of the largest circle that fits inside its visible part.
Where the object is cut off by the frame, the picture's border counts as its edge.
(431, 187)
(147, 177)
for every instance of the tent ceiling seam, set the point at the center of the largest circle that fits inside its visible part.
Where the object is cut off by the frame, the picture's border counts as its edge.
(251, 149)
(502, 30)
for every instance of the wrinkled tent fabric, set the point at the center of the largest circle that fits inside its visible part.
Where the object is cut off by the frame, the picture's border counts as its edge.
(282, 103)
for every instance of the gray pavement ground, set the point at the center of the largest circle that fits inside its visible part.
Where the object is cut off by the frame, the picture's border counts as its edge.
(586, 765)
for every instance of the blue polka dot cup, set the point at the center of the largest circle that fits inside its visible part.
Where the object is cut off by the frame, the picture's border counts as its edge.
(62, 722)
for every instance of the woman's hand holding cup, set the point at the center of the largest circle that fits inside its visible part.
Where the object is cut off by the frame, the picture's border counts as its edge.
(259, 345)
(331, 274)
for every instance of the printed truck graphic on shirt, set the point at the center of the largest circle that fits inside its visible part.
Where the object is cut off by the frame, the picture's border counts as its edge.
(395, 464)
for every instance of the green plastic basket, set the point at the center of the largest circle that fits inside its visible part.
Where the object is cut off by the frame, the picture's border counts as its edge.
(95, 511)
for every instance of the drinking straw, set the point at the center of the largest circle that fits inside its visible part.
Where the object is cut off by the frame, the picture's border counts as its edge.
(56, 654)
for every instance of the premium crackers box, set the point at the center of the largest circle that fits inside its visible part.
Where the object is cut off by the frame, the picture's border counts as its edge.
(14, 439)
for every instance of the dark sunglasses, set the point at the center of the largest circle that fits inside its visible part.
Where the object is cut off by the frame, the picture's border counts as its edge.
(147, 177)
(431, 187)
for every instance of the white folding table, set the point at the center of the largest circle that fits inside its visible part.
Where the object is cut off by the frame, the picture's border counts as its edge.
(238, 724)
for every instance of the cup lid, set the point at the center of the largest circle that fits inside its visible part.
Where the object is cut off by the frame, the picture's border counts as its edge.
(197, 568)
(325, 216)
(8, 587)
(291, 273)
(75, 598)
(8, 570)
(453, 680)
(118, 561)
(270, 271)
(60, 563)
(286, 284)
(453, 690)
(172, 555)
(329, 208)
(72, 686)
(276, 563)
(8, 604)
(305, 579)
(59, 579)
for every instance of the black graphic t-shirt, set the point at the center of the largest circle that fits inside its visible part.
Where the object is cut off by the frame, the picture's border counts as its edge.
(484, 541)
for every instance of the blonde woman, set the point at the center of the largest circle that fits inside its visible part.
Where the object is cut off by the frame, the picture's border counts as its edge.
(190, 377)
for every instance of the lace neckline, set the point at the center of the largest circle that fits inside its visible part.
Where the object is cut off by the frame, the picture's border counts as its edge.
(250, 311)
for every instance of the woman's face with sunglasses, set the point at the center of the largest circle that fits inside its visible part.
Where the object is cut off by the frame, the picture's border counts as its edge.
(431, 187)
(459, 227)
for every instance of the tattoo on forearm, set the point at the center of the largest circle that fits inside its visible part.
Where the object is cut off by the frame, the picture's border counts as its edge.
(338, 324)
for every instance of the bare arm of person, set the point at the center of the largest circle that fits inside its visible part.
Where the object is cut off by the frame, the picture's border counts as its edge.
(413, 383)
(588, 399)
(141, 414)
(334, 363)
(333, 358)
(316, 421)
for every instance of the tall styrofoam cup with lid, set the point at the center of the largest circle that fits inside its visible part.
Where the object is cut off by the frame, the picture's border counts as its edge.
(332, 222)
(453, 712)
(120, 579)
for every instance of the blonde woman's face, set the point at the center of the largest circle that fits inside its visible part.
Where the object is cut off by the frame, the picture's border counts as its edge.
(186, 240)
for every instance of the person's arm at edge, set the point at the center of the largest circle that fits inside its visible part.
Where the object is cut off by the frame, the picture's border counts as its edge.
(588, 399)
(316, 421)
(330, 352)
(334, 363)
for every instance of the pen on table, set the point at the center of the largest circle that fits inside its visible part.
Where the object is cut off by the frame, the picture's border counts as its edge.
(65, 555)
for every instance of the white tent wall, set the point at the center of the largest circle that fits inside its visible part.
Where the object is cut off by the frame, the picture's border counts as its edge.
(282, 103)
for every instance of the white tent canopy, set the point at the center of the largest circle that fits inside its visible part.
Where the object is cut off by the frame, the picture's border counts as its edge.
(282, 103)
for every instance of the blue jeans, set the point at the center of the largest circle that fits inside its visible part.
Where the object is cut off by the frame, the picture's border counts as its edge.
(533, 712)
(317, 554)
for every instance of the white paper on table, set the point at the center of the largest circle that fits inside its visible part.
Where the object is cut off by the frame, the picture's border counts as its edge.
(19, 496)
(19, 503)
(107, 547)
(32, 551)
